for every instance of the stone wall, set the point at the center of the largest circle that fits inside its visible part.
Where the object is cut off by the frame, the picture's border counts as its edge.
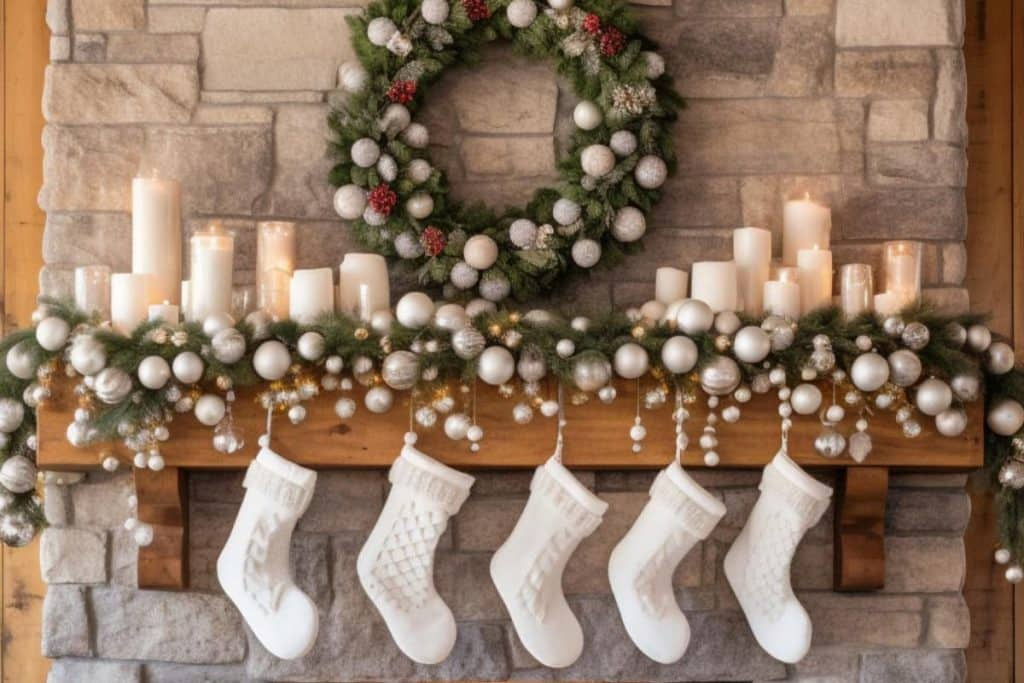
(860, 102)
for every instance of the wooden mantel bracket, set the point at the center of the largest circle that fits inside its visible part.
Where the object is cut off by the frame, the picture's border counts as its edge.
(860, 529)
(163, 504)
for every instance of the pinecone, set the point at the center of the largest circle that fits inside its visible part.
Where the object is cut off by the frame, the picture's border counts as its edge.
(382, 199)
(632, 100)
(433, 240)
(592, 24)
(402, 92)
(476, 10)
(612, 41)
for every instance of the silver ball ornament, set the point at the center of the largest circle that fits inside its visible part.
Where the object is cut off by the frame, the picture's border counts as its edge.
(496, 365)
(565, 348)
(259, 321)
(631, 361)
(311, 345)
(52, 333)
(1003, 556)
(112, 385)
(400, 370)
(623, 143)
(531, 365)
(904, 367)
(215, 322)
(650, 172)
(893, 326)
(451, 317)
(18, 474)
(597, 160)
(456, 426)
(21, 361)
(380, 30)
(586, 253)
(629, 224)
(933, 396)
(415, 310)
(271, 360)
(805, 399)
(522, 413)
(655, 64)
(17, 529)
(379, 400)
(869, 372)
(951, 422)
(694, 317)
(566, 211)
(915, 336)
(1014, 574)
(679, 354)
(187, 367)
(495, 286)
(364, 152)
(88, 356)
(966, 387)
(830, 443)
(210, 409)
(352, 76)
(468, 343)
(727, 323)
(407, 245)
(752, 344)
(522, 233)
(999, 358)
(978, 338)
(345, 408)
(228, 346)
(720, 376)
(12, 414)
(387, 167)
(1005, 417)
(591, 371)
(956, 334)
(154, 372)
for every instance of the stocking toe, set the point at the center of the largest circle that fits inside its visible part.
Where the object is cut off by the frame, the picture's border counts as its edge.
(437, 621)
(789, 637)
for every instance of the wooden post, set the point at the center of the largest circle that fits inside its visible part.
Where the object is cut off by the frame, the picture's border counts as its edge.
(860, 529)
(163, 503)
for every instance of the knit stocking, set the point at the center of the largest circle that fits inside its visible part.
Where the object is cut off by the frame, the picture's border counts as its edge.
(757, 565)
(679, 514)
(254, 568)
(527, 568)
(396, 565)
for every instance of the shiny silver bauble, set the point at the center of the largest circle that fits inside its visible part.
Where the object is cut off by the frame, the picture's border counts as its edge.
(210, 409)
(271, 360)
(694, 317)
(456, 426)
(17, 529)
(978, 338)
(869, 372)
(12, 414)
(21, 360)
(496, 365)
(1005, 416)
(631, 361)
(52, 333)
(401, 370)
(720, 376)
(830, 443)
(957, 334)
(727, 322)
(915, 336)
(893, 326)
(951, 422)
(679, 354)
(904, 367)
(215, 322)
(751, 344)
(187, 367)
(88, 356)
(468, 343)
(805, 399)
(379, 400)
(112, 385)
(933, 396)
(154, 372)
(18, 474)
(591, 371)
(999, 358)
(451, 317)
(228, 345)
(966, 387)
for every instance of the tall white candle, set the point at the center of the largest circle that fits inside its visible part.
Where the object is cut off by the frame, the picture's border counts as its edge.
(363, 269)
(275, 262)
(213, 263)
(670, 284)
(714, 283)
(752, 251)
(129, 305)
(782, 298)
(92, 290)
(166, 311)
(815, 278)
(312, 294)
(156, 235)
(806, 224)
(856, 289)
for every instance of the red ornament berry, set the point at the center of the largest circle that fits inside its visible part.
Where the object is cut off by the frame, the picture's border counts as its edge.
(433, 240)
(476, 10)
(402, 92)
(382, 199)
(612, 41)
(592, 24)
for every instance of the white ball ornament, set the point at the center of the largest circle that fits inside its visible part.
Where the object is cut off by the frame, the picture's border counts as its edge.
(364, 152)
(210, 409)
(565, 348)
(154, 372)
(112, 385)
(999, 358)
(450, 317)
(631, 361)
(215, 322)
(464, 276)
(416, 136)
(560, 5)
(1014, 574)
(468, 343)
(967, 387)
(400, 370)
(591, 371)
(187, 367)
(20, 361)
(419, 170)
(18, 474)
(434, 11)
(380, 30)
(523, 233)
(652, 312)
(350, 202)
(805, 399)
(407, 245)
(12, 414)
(1002, 556)
(566, 211)
(655, 64)
(587, 115)
(586, 253)
(396, 118)
(597, 160)
(629, 224)
(143, 535)
(271, 360)
(311, 346)
(650, 172)
(457, 426)
(496, 365)
(679, 354)
(480, 252)
(52, 333)
(623, 143)
(345, 408)
(381, 321)
(415, 310)
(228, 345)
(521, 13)
(387, 168)
(904, 367)
(720, 376)
(933, 396)
(379, 400)
(978, 338)
(951, 422)
(88, 356)
(374, 218)
(694, 317)
(420, 205)
(352, 76)
(1005, 417)
(869, 372)
(752, 344)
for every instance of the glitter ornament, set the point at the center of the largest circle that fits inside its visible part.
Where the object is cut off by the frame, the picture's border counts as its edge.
(379, 400)
(650, 172)
(364, 152)
(586, 253)
(345, 408)
(522, 413)
(565, 211)
(893, 326)
(468, 343)
(463, 275)
(597, 160)
(494, 286)
(416, 136)
(655, 64)
(915, 336)
(860, 445)
(400, 370)
(407, 245)
(523, 233)
(629, 224)
(720, 376)
(591, 371)
(623, 143)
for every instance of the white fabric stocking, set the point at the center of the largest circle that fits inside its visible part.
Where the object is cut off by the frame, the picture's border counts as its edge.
(254, 568)
(679, 514)
(757, 565)
(396, 564)
(527, 568)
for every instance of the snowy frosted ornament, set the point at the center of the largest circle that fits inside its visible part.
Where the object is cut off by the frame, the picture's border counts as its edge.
(951, 422)
(480, 252)
(586, 114)
(420, 205)
(933, 396)
(464, 276)
(752, 344)
(434, 11)
(496, 365)
(720, 376)
(586, 253)
(1011, 474)
(311, 346)
(522, 413)
(521, 13)
(415, 310)
(631, 361)
(345, 408)
(380, 30)
(597, 160)
(904, 367)
(352, 76)
(999, 358)
(154, 372)
(523, 233)
(210, 409)
(623, 143)
(379, 400)
(350, 201)
(187, 367)
(805, 399)
(565, 211)
(655, 64)
(591, 371)
(419, 170)
(407, 245)
(400, 370)
(650, 172)
(494, 285)
(416, 136)
(52, 333)
(629, 224)
(271, 360)
(12, 414)
(531, 365)
(1005, 417)
(228, 346)
(450, 317)
(694, 317)
(869, 372)
(679, 354)
(364, 152)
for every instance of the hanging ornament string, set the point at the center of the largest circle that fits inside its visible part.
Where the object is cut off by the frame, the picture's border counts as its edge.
(679, 416)
(264, 440)
(560, 436)
(638, 432)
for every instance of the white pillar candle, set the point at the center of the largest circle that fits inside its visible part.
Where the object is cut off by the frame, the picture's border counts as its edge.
(888, 303)
(782, 298)
(129, 305)
(156, 235)
(275, 262)
(92, 290)
(670, 284)
(815, 278)
(213, 263)
(902, 260)
(856, 289)
(752, 251)
(363, 269)
(806, 224)
(714, 283)
(166, 311)
(786, 273)
(186, 298)
(312, 294)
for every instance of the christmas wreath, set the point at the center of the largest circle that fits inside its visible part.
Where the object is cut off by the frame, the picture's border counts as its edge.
(620, 154)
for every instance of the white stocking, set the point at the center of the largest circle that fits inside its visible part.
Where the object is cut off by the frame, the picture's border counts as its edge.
(396, 564)
(757, 565)
(254, 569)
(527, 568)
(679, 514)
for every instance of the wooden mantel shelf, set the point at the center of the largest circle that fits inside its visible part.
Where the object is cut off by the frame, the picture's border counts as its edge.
(596, 437)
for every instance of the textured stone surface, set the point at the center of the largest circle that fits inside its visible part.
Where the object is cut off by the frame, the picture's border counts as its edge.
(140, 47)
(884, 73)
(897, 213)
(728, 8)
(949, 109)
(89, 169)
(898, 120)
(76, 671)
(868, 23)
(924, 564)
(916, 510)
(71, 555)
(108, 15)
(864, 620)
(917, 165)
(120, 93)
(65, 628)
(101, 501)
(301, 163)
(81, 239)
(175, 19)
(57, 17)
(936, 666)
(949, 622)
(507, 157)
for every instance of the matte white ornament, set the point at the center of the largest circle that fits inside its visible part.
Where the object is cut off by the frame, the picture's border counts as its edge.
(655, 64)
(727, 323)
(966, 387)
(629, 224)
(565, 348)
(597, 160)
(271, 360)
(694, 317)
(652, 312)
(951, 422)
(1002, 556)
(12, 414)
(451, 317)
(350, 201)
(494, 286)
(521, 13)
(419, 170)
(835, 413)
(210, 409)
(228, 346)
(586, 253)
(591, 371)
(496, 365)
(52, 333)
(679, 354)
(380, 30)
(415, 310)
(999, 358)
(650, 172)
(154, 372)
(420, 205)
(480, 252)
(531, 365)
(18, 474)
(978, 338)
(565, 211)
(400, 370)
(416, 136)
(112, 385)
(523, 233)
(869, 372)
(720, 376)
(352, 76)
(20, 361)
(631, 361)
(1005, 417)
(752, 344)
(623, 143)
(381, 321)
(395, 119)
(88, 356)
(1014, 574)
(560, 5)
(904, 367)
(933, 396)
(311, 345)
(434, 11)
(187, 367)
(805, 399)
(407, 245)
(365, 152)
(587, 115)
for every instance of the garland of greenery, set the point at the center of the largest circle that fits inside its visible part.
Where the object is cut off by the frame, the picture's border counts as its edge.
(398, 202)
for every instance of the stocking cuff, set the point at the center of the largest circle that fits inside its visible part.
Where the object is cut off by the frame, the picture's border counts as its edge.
(808, 507)
(431, 479)
(696, 517)
(287, 494)
(582, 516)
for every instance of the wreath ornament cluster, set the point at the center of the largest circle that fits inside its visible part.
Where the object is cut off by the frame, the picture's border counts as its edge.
(398, 202)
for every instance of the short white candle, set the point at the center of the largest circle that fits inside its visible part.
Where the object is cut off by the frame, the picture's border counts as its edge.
(156, 235)
(815, 278)
(92, 290)
(357, 270)
(856, 289)
(782, 298)
(213, 263)
(806, 224)
(903, 268)
(166, 311)
(785, 273)
(714, 283)
(888, 303)
(670, 284)
(129, 305)
(275, 261)
(312, 294)
(752, 251)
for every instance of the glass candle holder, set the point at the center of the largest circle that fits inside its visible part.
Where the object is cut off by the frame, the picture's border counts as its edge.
(92, 290)
(243, 301)
(902, 263)
(856, 289)
(275, 263)
(213, 263)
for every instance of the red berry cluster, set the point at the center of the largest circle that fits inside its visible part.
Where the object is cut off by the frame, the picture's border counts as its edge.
(433, 240)
(476, 10)
(612, 41)
(402, 92)
(592, 24)
(382, 199)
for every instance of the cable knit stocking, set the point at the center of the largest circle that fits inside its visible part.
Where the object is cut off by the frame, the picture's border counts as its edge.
(396, 565)
(679, 514)
(255, 569)
(757, 565)
(527, 568)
